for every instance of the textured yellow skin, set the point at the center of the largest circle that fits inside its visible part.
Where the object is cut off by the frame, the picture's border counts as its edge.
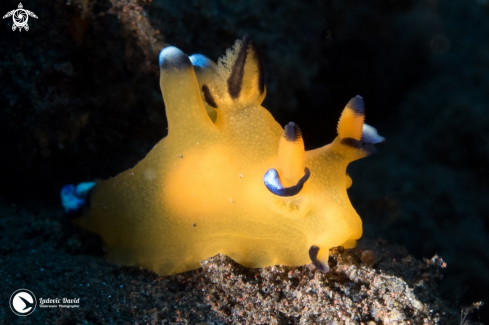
(200, 190)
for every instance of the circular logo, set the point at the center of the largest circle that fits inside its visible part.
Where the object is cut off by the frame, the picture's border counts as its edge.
(20, 17)
(23, 302)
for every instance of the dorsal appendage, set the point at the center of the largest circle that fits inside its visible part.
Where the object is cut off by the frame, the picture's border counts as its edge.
(185, 110)
(351, 120)
(236, 81)
(292, 173)
(291, 155)
(355, 134)
(240, 76)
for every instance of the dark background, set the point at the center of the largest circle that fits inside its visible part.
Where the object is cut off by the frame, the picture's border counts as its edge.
(79, 100)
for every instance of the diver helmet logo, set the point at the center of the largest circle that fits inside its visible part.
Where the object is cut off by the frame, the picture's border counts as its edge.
(20, 17)
(23, 302)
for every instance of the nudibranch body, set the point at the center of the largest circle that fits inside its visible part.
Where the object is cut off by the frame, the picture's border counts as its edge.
(218, 184)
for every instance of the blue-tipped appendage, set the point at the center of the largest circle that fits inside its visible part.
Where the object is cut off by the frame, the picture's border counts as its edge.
(74, 198)
(274, 185)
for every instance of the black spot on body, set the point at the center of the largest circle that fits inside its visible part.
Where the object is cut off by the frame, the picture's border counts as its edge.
(292, 132)
(235, 80)
(208, 96)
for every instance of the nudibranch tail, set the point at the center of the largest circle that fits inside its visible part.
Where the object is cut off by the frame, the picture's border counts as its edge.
(74, 198)
(185, 110)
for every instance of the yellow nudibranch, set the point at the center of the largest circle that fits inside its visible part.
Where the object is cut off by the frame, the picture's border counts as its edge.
(218, 184)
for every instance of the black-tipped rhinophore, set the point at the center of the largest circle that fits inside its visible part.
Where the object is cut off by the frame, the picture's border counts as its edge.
(235, 80)
(357, 105)
(172, 58)
(274, 185)
(261, 68)
(208, 96)
(292, 132)
(313, 255)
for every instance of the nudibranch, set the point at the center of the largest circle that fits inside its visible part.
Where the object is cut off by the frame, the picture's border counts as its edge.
(228, 179)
